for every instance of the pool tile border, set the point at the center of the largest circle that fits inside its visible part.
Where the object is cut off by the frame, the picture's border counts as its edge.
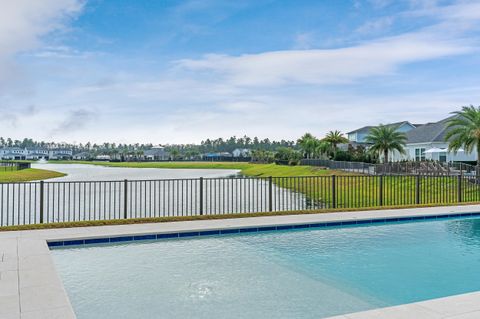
(189, 234)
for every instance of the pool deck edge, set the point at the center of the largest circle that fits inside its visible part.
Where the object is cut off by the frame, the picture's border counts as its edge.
(31, 288)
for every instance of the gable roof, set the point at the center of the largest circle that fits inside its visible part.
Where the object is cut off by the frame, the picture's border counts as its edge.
(429, 132)
(367, 129)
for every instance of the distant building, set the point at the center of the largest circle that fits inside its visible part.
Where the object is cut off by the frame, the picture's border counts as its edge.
(60, 154)
(241, 152)
(13, 153)
(17, 153)
(156, 153)
(82, 156)
(102, 157)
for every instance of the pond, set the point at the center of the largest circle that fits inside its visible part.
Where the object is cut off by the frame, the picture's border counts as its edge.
(82, 172)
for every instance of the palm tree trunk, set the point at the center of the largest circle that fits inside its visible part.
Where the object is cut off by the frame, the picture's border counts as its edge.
(385, 155)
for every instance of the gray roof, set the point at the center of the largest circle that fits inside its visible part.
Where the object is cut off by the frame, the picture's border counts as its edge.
(429, 132)
(367, 129)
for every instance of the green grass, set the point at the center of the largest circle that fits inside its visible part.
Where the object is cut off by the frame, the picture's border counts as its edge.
(25, 175)
(205, 217)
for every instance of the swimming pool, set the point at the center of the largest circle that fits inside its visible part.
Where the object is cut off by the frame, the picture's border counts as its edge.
(283, 274)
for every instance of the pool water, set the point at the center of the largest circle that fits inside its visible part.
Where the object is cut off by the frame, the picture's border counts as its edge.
(279, 274)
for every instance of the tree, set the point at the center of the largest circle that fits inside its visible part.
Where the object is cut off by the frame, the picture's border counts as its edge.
(385, 139)
(334, 138)
(308, 143)
(322, 148)
(464, 131)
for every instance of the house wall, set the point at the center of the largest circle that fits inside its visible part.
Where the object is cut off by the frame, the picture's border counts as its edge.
(410, 155)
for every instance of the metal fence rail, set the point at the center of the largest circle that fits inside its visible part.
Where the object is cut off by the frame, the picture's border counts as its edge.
(397, 168)
(53, 202)
(13, 166)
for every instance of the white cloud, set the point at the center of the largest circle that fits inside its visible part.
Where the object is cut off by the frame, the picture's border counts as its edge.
(332, 66)
(23, 23)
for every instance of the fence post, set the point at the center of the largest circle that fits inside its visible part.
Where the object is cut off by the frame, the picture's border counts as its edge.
(270, 195)
(334, 191)
(125, 199)
(42, 194)
(417, 189)
(201, 195)
(459, 188)
(380, 191)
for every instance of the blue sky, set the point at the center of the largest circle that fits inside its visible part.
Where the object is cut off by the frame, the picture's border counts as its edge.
(183, 71)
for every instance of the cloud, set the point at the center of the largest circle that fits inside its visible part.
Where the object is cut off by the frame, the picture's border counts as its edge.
(332, 66)
(23, 23)
(375, 26)
(75, 120)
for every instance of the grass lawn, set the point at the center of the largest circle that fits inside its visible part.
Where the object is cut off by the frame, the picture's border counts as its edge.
(30, 174)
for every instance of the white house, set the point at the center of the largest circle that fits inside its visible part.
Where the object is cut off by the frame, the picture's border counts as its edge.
(427, 142)
(60, 154)
(241, 152)
(82, 156)
(102, 157)
(17, 153)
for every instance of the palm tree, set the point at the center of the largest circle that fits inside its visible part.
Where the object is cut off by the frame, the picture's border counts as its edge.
(464, 131)
(385, 139)
(307, 143)
(334, 138)
(322, 149)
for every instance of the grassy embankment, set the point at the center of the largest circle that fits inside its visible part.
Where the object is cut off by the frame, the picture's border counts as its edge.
(29, 174)
(352, 190)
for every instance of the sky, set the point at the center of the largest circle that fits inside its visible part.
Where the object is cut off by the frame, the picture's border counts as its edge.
(168, 71)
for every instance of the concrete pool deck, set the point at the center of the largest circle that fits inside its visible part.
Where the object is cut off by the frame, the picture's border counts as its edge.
(30, 287)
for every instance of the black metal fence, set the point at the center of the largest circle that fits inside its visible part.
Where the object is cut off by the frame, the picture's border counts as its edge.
(13, 166)
(53, 202)
(397, 168)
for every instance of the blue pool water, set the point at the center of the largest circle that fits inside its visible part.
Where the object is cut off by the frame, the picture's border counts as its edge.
(279, 274)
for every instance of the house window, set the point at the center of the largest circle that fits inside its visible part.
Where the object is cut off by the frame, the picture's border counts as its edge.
(442, 157)
(420, 154)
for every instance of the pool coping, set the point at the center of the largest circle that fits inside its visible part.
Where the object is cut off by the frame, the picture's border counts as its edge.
(30, 287)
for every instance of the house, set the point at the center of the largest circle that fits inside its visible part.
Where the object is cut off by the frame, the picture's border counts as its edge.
(157, 153)
(60, 154)
(17, 153)
(102, 157)
(36, 153)
(427, 142)
(241, 152)
(12, 153)
(82, 156)
(358, 136)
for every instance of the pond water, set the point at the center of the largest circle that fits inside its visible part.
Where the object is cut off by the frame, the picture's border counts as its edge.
(82, 172)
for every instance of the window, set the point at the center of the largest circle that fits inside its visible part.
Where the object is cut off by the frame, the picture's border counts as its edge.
(420, 154)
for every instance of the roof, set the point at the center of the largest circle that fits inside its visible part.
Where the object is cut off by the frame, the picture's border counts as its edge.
(429, 132)
(367, 129)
